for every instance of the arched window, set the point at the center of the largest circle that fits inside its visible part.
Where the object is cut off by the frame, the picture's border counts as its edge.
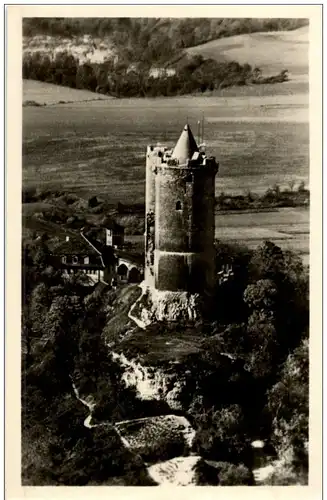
(178, 205)
(86, 260)
(75, 259)
(64, 259)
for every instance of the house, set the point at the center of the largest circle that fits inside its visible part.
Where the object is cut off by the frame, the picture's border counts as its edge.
(101, 258)
(77, 253)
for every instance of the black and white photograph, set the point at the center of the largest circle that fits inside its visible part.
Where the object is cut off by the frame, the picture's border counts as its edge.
(165, 250)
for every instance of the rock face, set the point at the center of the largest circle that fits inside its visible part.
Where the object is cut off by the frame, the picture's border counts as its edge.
(151, 383)
(157, 305)
(157, 438)
(183, 471)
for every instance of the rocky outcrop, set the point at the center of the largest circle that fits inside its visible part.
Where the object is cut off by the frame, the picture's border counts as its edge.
(183, 471)
(156, 305)
(151, 383)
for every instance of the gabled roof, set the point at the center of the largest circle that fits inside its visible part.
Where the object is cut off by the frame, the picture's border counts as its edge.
(75, 245)
(185, 146)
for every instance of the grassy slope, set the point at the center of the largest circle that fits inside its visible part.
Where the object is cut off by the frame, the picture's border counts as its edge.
(46, 93)
(271, 51)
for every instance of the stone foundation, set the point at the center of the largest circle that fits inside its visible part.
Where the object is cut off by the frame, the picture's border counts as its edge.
(156, 305)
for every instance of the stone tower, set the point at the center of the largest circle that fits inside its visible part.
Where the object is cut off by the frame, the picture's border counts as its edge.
(180, 225)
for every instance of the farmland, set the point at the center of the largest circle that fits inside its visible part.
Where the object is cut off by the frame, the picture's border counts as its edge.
(99, 147)
(45, 94)
(288, 228)
(271, 51)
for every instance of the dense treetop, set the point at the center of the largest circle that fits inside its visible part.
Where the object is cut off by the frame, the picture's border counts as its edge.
(140, 32)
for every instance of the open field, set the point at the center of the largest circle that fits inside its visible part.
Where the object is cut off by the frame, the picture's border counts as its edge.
(99, 147)
(271, 51)
(48, 94)
(287, 227)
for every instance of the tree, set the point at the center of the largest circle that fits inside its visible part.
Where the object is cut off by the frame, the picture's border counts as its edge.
(267, 262)
(301, 187)
(221, 435)
(261, 295)
(41, 255)
(86, 77)
(39, 305)
(234, 475)
(291, 184)
(288, 403)
(261, 359)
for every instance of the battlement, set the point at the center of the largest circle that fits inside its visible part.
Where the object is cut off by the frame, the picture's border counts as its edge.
(163, 156)
(159, 154)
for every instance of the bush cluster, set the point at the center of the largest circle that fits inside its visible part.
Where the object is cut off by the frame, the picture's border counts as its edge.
(191, 74)
(150, 35)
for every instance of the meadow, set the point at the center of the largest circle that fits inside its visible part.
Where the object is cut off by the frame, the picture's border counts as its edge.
(39, 93)
(99, 147)
(286, 227)
(271, 51)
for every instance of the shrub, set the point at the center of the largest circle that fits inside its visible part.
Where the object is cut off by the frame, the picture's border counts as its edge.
(221, 435)
(234, 475)
(288, 403)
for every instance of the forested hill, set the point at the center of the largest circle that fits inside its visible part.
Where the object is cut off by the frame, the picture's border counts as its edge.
(152, 38)
(138, 57)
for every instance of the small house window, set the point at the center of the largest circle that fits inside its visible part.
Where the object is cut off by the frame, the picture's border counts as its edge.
(86, 260)
(189, 178)
(178, 205)
(75, 259)
(64, 259)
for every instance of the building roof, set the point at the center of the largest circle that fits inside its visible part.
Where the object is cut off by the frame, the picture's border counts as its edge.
(74, 245)
(77, 245)
(186, 146)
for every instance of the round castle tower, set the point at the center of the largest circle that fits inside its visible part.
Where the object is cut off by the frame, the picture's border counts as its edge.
(180, 227)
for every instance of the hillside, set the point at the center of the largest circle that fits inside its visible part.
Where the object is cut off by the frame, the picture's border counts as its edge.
(163, 57)
(141, 34)
(40, 93)
(273, 43)
(271, 52)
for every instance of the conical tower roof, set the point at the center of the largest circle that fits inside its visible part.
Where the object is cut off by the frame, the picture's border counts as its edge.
(185, 146)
